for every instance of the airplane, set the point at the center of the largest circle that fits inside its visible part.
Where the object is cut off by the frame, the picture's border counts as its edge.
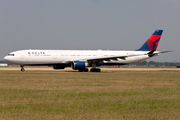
(82, 59)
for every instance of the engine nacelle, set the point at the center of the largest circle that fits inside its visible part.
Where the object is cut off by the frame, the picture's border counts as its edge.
(58, 67)
(77, 65)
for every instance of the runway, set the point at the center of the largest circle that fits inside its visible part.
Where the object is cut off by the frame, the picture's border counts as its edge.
(102, 69)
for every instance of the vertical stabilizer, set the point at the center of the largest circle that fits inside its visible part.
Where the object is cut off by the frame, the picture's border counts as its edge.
(152, 43)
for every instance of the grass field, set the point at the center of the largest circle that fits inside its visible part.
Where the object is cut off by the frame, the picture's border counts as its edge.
(116, 94)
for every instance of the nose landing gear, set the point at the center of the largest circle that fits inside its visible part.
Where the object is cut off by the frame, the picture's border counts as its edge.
(22, 68)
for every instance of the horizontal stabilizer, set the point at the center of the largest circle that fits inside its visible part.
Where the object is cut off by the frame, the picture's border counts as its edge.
(151, 54)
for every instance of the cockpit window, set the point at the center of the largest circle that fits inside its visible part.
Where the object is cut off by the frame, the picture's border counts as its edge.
(10, 54)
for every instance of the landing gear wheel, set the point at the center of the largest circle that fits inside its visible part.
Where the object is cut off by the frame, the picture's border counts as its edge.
(22, 68)
(95, 70)
(86, 70)
(98, 70)
(80, 70)
(83, 70)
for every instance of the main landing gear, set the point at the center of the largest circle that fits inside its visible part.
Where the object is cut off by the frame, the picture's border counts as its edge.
(22, 68)
(83, 70)
(95, 70)
(91, 70)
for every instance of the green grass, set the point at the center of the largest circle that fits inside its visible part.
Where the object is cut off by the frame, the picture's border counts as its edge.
(73, 95)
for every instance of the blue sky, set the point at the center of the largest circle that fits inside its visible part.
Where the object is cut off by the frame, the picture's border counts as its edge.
(89, 25)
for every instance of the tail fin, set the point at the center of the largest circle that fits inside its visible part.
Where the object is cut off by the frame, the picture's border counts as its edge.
(152, 43)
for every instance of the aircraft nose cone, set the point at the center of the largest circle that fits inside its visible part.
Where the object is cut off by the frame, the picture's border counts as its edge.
(5, 58)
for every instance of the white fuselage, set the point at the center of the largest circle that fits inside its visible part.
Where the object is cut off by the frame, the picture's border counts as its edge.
(50, 57)
(81, 59)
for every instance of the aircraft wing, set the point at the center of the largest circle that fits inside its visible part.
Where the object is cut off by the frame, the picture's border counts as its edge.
(101, 59)
(124, 57)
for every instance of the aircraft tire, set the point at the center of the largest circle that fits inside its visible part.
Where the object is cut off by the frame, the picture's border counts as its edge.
(98, 70)
(93, 70)
(80, 70)
(86, 70)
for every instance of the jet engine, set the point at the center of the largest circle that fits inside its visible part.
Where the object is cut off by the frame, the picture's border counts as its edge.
(78, 65)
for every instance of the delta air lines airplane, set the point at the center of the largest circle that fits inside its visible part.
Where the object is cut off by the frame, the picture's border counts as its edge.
(81, 59)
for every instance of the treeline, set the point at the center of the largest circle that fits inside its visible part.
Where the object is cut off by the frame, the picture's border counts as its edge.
(2, 61)
(156, 64)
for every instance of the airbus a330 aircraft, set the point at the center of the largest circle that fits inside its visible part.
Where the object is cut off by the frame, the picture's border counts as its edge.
(81, 59)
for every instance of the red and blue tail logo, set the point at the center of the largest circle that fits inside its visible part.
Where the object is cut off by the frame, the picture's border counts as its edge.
(152, 43)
